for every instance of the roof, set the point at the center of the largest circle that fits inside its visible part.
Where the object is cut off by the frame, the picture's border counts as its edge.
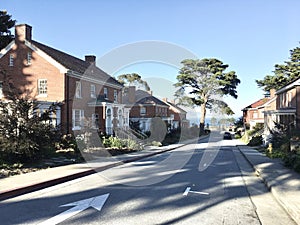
(77, 65)
(293, 83)
(256, 104)
(144, 98)
(176, 107)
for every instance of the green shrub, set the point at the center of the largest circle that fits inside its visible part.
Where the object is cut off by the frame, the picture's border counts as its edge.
(237, 136)
(292, 160)
(131, 144)
(255, 141)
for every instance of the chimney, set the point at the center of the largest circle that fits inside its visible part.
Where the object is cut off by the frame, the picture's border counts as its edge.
(165, 99)
(91, 59)
(23, 32)
(131, 94)
(272, 93)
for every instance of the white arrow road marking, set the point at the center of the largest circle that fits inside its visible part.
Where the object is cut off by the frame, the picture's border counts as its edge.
(95, 202)
(188, 189)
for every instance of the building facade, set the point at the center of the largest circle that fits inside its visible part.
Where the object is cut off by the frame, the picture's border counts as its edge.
(87, 96)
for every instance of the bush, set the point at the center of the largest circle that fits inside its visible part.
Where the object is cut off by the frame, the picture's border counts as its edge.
(117, 143)
(255, 141)
(25, 136)
(292, 160)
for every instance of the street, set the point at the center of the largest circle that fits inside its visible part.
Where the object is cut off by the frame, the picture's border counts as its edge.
(208, 182)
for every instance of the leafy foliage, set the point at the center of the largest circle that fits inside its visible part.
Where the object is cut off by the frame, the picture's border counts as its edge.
(6, 23)
(133, 79)
(117, 143)
(283, 73)
(25, 135)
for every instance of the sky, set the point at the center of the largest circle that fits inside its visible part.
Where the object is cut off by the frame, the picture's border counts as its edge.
(251, 36)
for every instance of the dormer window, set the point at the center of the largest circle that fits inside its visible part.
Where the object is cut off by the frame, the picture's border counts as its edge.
(11, 60)
(29, 56)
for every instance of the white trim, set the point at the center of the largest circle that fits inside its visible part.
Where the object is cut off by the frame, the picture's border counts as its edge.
(11, 60)
(7, 48)
(1, 88)
(288, 87)
(44, 55)
(93, 91)
(78, 90)
(82, 77)
(81, 117)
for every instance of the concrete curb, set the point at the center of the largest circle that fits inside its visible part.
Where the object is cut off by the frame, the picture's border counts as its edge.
(270, 180)
(14, 192)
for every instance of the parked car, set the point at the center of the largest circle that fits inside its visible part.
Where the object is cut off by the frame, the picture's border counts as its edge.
(227, 136)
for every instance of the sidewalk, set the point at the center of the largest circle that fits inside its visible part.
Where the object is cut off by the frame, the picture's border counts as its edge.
(24, 183)
(283, 183)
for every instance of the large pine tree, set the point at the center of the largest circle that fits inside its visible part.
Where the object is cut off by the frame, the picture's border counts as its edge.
(6, 23)
(283, 73)
(204, 80)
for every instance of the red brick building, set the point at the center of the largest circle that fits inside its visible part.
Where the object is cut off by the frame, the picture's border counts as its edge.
(177, 115)
(253, 114)
(87, 95)
(144, 107)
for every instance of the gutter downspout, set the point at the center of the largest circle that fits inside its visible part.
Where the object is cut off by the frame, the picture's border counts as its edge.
(68, 100)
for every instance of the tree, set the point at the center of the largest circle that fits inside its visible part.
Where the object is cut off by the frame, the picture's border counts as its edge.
(25, 134)
(203, 82)
(133, 79)
(283, 73)
(6, 23)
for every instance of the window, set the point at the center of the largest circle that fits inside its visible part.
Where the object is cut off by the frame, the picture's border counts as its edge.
(1, 89)
(93, 91)
(289, 104)
(29, 58)
(78, 89)
(95, 120)
(105, 91)
(42, 87)
(115, 96)
(143, 111)
(11, 60)
(255, 115)
(77, 119)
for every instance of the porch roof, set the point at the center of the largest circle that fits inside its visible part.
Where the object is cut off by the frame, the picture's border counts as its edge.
(285, 111)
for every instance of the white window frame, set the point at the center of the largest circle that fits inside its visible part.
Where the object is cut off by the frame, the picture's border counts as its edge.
(29, 57)
(1, 89)
(289, 104)
(77, 123)
(115, 96)
(78, 92)
(11, 60)
(95, 120)
(105, 93)
(93, 91)
(143, 111)
(42, 87)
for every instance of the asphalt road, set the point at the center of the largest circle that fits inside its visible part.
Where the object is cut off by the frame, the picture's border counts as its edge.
(201, 183)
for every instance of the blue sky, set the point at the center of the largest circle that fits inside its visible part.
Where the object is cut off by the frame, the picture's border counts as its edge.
(250, 36)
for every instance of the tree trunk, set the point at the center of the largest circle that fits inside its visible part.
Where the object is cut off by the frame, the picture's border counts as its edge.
(202, 118)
